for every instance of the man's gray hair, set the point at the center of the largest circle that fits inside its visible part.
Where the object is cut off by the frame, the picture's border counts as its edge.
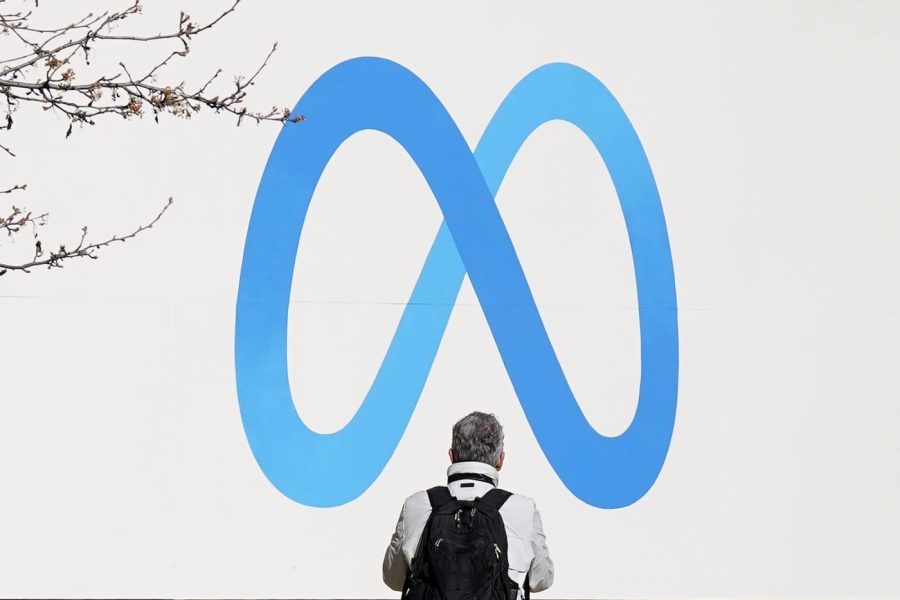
(478, 437)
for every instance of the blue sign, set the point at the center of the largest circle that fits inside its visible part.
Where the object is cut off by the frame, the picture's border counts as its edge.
(376, 94)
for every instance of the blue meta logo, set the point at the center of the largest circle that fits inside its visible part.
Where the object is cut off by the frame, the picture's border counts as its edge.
(328, 470)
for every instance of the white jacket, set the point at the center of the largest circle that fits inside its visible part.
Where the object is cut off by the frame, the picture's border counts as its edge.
(528, 552)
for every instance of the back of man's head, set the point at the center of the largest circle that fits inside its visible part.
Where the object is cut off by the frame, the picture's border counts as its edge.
(478, 437)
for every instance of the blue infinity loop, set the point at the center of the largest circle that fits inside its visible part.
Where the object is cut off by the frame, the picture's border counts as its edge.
(376, 94)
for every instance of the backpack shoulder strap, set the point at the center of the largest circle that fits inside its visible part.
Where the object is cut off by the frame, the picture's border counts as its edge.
(494, 499)
(439, 496)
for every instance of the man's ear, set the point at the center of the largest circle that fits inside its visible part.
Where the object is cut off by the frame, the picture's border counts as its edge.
(450, 453)
(500, 460)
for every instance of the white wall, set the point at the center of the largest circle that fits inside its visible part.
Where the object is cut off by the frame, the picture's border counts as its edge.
(773, 131)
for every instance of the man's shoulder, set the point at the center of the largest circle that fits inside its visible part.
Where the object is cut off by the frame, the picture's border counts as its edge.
(417, 502)
(520, 503)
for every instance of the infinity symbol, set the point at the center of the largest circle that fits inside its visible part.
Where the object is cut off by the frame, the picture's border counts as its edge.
(370, 93)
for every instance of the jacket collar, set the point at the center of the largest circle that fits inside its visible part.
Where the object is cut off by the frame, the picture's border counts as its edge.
(475, 467)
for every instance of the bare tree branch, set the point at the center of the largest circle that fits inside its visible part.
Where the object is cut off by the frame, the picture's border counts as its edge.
(47, 75)
(48, 72)
(84, 249)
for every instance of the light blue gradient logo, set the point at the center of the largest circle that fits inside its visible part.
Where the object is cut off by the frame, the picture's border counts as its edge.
(376, 94)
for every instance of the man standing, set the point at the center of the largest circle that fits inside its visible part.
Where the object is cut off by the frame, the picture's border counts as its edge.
(452, 540)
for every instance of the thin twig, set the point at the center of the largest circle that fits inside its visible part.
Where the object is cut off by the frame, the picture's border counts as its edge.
(54, 259)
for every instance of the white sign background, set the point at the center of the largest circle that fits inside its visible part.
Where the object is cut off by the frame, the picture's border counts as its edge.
(774, 136)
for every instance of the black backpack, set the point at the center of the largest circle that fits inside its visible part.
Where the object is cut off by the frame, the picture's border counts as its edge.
(462, 552)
